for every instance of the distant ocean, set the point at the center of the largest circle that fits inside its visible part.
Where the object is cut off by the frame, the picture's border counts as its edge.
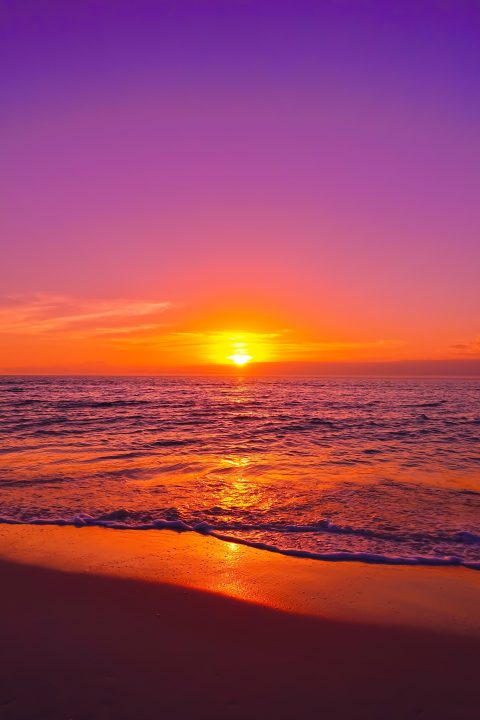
(343, 469)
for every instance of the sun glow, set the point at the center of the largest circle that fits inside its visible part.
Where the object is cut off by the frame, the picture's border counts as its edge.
(240, 348)
(240, 358)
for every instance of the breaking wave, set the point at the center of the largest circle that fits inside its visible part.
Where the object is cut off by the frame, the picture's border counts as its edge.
(121, 520)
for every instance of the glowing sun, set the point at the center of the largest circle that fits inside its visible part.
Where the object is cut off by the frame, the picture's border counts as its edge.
(240, 358)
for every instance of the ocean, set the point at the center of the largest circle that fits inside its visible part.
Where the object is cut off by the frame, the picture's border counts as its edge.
(369, 470)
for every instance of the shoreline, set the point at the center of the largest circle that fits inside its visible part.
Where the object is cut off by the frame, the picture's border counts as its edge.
(94, 625)
(433, 597)
(179, 526)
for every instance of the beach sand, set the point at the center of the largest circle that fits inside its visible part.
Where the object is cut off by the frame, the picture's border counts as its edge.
(97, 623)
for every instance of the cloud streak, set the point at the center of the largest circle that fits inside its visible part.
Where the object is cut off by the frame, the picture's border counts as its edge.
(42, 313)
(469, 348)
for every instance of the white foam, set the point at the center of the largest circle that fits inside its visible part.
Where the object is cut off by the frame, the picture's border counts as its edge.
(84, 520)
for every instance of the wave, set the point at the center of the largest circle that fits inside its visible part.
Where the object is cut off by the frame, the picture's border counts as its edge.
(133, 520)
(432, 404)
(90, 404)
(347, 556)
(172, 442)
(118, 520)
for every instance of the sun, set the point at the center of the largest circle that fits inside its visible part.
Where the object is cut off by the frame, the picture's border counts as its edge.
(236, 348)
(240, 358)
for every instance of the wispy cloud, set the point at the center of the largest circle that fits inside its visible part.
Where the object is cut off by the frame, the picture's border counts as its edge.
(472, 347)
(42, 313)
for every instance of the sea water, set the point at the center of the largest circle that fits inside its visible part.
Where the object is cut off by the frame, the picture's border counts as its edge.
(375, 470)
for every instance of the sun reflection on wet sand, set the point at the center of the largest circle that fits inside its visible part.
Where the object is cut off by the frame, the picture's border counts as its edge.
(378, 594)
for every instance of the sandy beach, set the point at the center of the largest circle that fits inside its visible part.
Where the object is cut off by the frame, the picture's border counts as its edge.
(91, 628)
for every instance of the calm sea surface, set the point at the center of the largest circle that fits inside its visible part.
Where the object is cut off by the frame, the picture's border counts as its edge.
(374, 470)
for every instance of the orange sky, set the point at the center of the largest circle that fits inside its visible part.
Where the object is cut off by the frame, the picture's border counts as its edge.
(60, 334)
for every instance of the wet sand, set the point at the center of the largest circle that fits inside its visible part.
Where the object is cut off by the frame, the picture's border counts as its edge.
(105, 624)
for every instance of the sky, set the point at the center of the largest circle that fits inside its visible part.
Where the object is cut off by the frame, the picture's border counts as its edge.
(182, 181)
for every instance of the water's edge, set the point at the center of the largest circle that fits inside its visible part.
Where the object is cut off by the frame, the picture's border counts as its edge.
(202, 529)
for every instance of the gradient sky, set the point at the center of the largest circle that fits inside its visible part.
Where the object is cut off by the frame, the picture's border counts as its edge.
(302, 177)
